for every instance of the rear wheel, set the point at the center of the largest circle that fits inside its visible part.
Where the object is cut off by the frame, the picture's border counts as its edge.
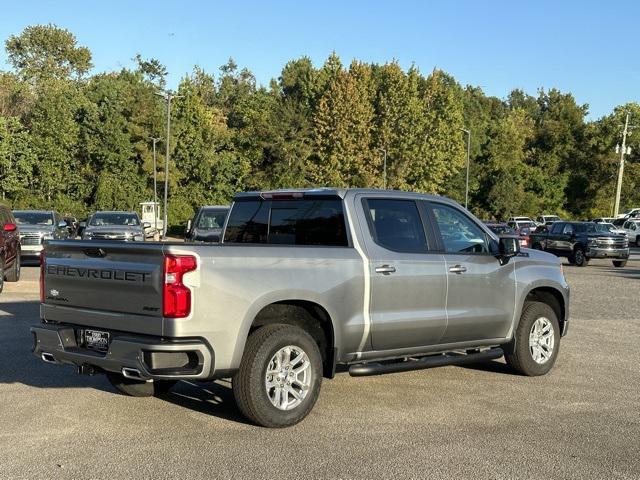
(280, 375)
(537, 340)
(1, 277)
(619, 263)
(579, 257)
(13, 274)
(135, 388)
(638, 241)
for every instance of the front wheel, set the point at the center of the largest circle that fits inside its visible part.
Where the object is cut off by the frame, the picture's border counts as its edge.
(619, 263)
(579, 257)
(279, 378)
(537, 340)
(135, 388)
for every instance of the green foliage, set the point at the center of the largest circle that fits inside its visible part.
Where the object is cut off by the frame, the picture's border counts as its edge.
(46, 51)
(79, 143)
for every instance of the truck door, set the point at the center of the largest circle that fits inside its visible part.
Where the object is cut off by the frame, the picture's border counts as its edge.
(564, 240)
(481, 291)
(408, 281)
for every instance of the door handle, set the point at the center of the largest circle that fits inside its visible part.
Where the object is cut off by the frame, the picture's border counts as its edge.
(457, 269)
(385, 269)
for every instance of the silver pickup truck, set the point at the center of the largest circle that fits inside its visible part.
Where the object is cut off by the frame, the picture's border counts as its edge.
(302, 282)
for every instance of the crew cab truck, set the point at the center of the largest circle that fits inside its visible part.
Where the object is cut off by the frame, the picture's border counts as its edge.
(303, 281)
(579, 242)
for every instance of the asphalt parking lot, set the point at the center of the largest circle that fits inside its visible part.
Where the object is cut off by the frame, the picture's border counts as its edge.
(581, 421)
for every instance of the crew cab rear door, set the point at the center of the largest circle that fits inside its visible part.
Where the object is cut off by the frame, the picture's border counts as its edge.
(408, 282)
(480, 291)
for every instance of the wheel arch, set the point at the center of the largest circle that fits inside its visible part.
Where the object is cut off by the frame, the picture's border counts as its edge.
(307, 314)
(552, 297)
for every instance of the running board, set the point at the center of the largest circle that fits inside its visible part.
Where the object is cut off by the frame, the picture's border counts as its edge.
(366, 369)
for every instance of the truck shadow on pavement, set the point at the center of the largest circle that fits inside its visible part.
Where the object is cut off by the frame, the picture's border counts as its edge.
(20, 366)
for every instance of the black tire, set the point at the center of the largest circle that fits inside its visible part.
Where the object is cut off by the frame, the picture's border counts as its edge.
(638, 241)
(537, 246)
(135, 388)
(13, 274)
(249, 382)
(1, 277)
(619, 263)
(580, 258)
(520, 356)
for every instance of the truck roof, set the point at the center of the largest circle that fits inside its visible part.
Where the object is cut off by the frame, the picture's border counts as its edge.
(329, 191)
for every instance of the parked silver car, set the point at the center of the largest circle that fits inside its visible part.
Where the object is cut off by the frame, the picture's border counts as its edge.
(119, 226)
(37, 226)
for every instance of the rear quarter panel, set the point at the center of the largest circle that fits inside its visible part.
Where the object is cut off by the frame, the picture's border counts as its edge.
(234, 282)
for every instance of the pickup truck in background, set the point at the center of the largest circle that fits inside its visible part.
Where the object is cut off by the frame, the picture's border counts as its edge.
(303, 281)
(581, 241)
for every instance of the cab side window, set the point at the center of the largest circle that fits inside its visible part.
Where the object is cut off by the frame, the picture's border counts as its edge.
(557, 228)
(396, 225)
(458, 232)
(568, 229)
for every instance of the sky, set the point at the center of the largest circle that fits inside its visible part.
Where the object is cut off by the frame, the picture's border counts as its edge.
(588, 48)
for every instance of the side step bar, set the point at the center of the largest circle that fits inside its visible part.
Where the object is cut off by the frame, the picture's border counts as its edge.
(366, 369)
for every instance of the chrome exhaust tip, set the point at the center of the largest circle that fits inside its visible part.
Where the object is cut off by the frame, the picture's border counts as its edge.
(132, 374)
(48, 357)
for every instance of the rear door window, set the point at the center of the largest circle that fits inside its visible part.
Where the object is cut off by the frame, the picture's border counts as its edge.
(396, 225)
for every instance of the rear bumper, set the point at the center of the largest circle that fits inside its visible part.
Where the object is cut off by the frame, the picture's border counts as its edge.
(57, 344)
(595, 252)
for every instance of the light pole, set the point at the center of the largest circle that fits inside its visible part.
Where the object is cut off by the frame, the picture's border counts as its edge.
(623, 151)
(384, 169)
(168, 96)
(155, 185)
(466, 188)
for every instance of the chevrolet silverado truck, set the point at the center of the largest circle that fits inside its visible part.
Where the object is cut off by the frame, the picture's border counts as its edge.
(579, 242)
(302, 282)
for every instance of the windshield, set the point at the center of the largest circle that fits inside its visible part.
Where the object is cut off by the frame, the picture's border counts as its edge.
(595, 227)
(33, 218)
(108, 219)
(211, 219)
(500, 229)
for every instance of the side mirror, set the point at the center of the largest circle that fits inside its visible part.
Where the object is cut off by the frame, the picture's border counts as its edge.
(146, 225)
(82, 224)
(189, 225)
(62, 224)
(10, 227)
(508, 246)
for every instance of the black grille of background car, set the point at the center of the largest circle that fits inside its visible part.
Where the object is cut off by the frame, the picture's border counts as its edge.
(108, 236)
(31, 239)
(613, 242)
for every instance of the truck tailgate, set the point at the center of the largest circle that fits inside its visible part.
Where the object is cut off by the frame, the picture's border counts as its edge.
(104, 283)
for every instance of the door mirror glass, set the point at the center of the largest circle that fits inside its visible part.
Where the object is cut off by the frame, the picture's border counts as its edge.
(62, 224)
(146, 225)
(509, 246)
(188, 226)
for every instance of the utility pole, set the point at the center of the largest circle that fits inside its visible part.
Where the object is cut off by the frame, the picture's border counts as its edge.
(168, 96)
(384, 169)
(623, 151)
(466, 188)
(155, 185)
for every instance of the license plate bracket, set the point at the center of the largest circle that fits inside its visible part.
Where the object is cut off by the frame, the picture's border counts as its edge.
(97, 340)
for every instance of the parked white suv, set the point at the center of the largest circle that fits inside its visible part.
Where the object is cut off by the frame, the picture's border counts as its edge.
(632, 229)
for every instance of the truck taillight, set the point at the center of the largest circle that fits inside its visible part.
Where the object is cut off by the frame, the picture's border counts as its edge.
(176, 298)
(42, 262)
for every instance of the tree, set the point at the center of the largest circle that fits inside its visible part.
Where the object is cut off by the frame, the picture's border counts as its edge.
(17, 158)
(343, 132)
(45, 52)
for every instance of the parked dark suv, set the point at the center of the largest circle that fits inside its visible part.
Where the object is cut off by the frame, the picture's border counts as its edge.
(9, 247)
